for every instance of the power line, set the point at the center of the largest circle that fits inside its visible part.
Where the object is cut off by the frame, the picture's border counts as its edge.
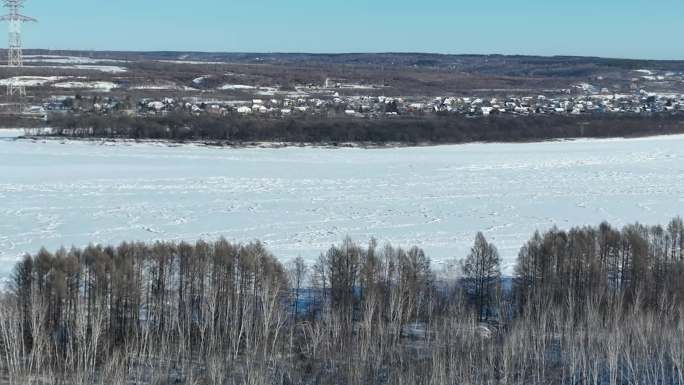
(14, 49)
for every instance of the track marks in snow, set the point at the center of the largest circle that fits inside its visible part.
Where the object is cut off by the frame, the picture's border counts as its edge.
(301, 200)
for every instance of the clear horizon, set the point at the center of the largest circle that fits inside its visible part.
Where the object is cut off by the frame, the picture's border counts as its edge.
(630, 29)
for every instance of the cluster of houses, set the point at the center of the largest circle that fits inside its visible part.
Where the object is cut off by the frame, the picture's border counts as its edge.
(589, 101)
(528, 105)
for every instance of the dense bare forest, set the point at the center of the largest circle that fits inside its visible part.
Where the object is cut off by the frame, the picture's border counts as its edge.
(592, 305)
(402, 73)
(413, 130)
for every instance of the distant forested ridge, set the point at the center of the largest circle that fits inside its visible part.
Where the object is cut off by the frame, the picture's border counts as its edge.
(591, 305)
(407, 130)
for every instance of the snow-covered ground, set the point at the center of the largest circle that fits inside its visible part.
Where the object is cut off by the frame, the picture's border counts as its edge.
(199, 80)
(58, 59)
(95, 85)
(101, 68)
(162, 87)
(236, 87)
(301, 200)
(76, 62)
(195, 62)
(111, 69)
(10, 133)
(37, 81)
(30, 81)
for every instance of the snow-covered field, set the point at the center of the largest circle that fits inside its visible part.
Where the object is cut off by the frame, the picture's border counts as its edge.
(235, 87)
(38, 81)
(30, 81)
(76, 62)
(101, 68)
(102, 86)
(58, 59)
(301, 200)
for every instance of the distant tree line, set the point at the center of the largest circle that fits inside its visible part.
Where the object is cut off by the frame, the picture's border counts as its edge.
(17, 121)
(592, 305)
(409, 130)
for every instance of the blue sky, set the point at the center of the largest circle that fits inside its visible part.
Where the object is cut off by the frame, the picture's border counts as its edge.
(609, 28)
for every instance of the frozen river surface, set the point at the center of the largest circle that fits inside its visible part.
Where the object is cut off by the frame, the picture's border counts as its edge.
(301, 200)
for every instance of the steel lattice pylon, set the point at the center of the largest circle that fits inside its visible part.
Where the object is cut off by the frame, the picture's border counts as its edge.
(14, 50)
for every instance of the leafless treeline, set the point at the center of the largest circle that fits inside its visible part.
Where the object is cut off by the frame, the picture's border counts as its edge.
(587, 306)
(234, 129)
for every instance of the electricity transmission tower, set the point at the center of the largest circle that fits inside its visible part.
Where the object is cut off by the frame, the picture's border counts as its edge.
(14, 51)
